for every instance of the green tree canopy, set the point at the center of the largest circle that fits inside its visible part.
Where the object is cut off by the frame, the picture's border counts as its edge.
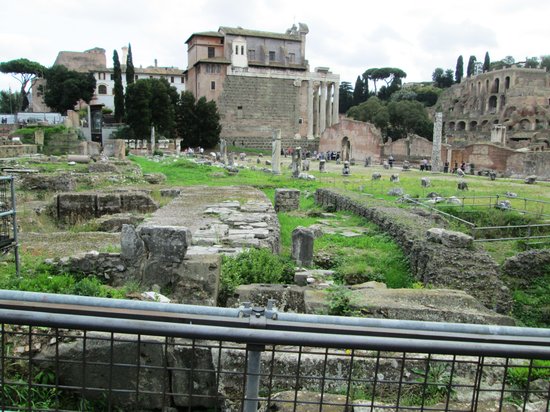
(392, 76)
(545, 62)
(198, 123)
(470, 71)
(10, 102)
(459, 71)
(149, 104)
(531, 63)
(408, 117)
(486, 63)
(442, 79)
(426, 95)
(118, 89)
(64, 88)
(360, 93)
(24, 71)
(130, 72)
(346, 97)
(373, 110)
(138, 108)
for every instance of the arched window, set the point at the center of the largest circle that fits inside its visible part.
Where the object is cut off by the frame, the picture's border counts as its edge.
(101, 89)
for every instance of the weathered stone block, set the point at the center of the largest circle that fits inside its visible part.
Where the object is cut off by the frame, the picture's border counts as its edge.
(197, 280)
(302, 246)
(138, 202)
(166, 243)
(108, 204)
(449, 238)
(287, 200)
(122, 376)
(132, 248)
(193, 368)
(74, 206)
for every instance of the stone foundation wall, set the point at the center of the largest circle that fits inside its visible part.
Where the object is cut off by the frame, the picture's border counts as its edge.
(17, 150)
(74, 207)
(470, 270)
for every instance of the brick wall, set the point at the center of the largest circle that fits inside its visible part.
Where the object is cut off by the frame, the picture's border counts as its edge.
(266, 104)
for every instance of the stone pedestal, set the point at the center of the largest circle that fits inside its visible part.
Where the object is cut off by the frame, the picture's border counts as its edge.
(302, 246)
(322, 164)
(287, 200)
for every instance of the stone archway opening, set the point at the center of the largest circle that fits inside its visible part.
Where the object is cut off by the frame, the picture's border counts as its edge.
(473, 126)
(461, 125)
(525, 124)
(346, 150)
(492, 104)
(496, 85)
(451, 126)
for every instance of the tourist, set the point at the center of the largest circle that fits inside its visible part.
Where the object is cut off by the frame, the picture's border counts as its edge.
(390, 161)
(446, 167)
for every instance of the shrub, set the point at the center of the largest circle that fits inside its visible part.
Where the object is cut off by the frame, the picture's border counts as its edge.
(341, 301)
(253, 266)
(522, 375)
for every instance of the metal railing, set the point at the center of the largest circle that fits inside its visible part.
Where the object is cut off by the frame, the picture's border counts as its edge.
(533, 231)
(63, 352)
(8, 219)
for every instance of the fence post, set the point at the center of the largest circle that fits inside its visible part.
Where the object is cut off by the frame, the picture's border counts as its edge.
(253, 367)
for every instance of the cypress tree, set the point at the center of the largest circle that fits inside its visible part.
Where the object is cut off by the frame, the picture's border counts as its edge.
(359, 91)
(130, 72)
(471, 66)
(459, 72)
(119, 90)
(486, 63)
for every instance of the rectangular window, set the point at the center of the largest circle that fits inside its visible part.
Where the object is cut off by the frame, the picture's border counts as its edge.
(242, 50)
(212, 85)
(136, 76)
(236, 49)
(171, 79)
(251, 54)
(271, 56)
(239, 112)
(211, 52)
(182, 80)
(112, 77)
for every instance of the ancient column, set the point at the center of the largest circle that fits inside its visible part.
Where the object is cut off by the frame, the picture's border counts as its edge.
(316, 91)
(310, 109)
(178, 147)
(436, 147)
(336, 103)
(223, 151)
(329, 104)
(323, 108)
(276, 152)
(296, 161)
(152, 139)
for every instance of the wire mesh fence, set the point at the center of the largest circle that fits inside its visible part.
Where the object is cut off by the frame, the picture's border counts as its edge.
(71, 357)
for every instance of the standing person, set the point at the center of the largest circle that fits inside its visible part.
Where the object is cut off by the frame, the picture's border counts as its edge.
(390, 161)
(446, 167)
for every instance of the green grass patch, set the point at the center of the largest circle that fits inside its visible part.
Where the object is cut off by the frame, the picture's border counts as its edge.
(532, 304)
(253, 266)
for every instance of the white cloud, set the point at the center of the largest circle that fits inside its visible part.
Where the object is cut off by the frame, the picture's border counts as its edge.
(348, 36)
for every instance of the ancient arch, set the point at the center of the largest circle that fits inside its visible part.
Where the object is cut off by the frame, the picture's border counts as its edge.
(525, 124)
(451, 126)
(485, 125)
(473, 125)
(461, 125)
(496, 85)
(346, 149)
(506, 82)
(492, 104)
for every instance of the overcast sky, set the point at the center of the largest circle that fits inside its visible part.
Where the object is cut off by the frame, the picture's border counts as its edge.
(348, 36)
